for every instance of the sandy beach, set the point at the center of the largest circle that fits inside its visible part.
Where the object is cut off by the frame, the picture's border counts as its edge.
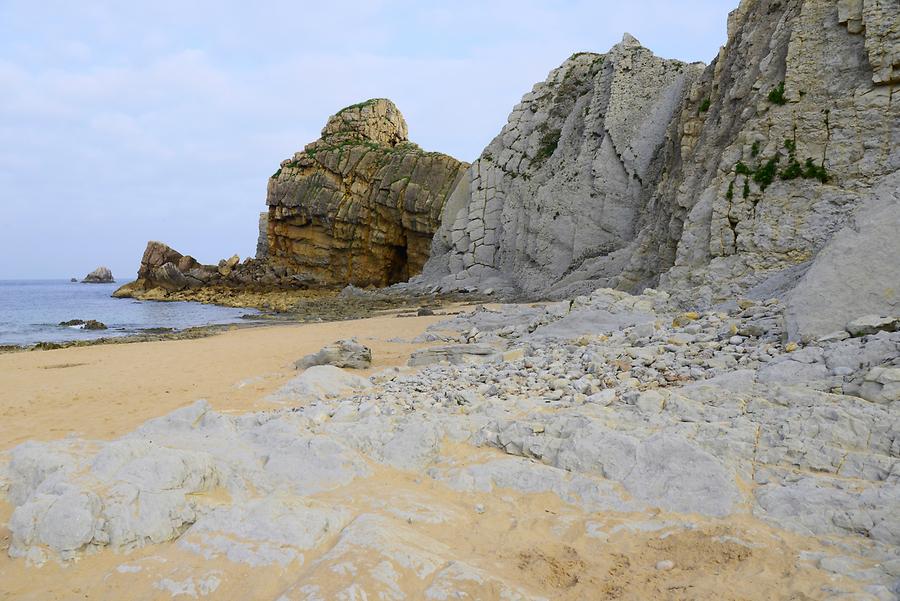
(104, 391)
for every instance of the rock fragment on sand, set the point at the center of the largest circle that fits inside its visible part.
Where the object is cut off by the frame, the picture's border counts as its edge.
(343, 353)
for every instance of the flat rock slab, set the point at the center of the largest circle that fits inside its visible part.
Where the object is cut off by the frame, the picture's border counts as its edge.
(872, 324)
(455, 354)
(590, 321)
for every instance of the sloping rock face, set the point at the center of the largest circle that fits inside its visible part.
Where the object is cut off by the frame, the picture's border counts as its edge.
(858, 271)
(790, 165)
(629, 171)
(361, 204)
(569, 176)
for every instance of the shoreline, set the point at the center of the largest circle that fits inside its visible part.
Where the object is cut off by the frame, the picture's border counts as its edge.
(317, 306)
(185, 334)
(117, 387)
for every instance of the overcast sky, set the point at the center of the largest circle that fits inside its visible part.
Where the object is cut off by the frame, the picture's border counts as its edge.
(122, 122)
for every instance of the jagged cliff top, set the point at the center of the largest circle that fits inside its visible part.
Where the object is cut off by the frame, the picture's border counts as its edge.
(375, 123)
(375, 120)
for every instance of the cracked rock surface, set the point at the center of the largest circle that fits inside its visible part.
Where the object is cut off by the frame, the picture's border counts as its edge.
(773, 171)
(610, 420)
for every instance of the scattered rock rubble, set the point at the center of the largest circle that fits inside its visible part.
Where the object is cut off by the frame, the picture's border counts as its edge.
(615, 404)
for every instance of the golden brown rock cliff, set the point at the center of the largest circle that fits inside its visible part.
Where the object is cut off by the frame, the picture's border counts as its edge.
(361, 204)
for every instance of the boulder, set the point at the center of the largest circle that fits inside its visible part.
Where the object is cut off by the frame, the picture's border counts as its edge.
(343, 353)
(168, 276)
(881, 385)
(90, 324)
(101, 275)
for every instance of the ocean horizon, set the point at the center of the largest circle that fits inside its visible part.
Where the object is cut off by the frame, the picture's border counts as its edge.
(31, 311)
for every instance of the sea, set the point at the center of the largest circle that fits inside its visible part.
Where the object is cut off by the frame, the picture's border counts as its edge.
(31, 311)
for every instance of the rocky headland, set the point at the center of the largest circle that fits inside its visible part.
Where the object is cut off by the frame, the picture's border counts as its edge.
(772, 171)
(702, 402)
(361, 204)
(166, 274)
(358, 206)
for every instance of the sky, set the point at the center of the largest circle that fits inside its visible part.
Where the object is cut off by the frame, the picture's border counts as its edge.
(123, 122)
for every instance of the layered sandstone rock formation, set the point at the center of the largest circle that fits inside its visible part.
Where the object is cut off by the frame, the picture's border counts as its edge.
(359, 205)
(627, 170)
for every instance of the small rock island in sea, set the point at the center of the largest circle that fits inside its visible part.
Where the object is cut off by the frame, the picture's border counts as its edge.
(101, 275)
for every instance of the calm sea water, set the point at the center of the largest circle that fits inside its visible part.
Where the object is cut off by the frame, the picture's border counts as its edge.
(30, 311)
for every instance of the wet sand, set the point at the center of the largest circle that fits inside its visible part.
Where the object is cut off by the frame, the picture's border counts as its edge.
(105, 391)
